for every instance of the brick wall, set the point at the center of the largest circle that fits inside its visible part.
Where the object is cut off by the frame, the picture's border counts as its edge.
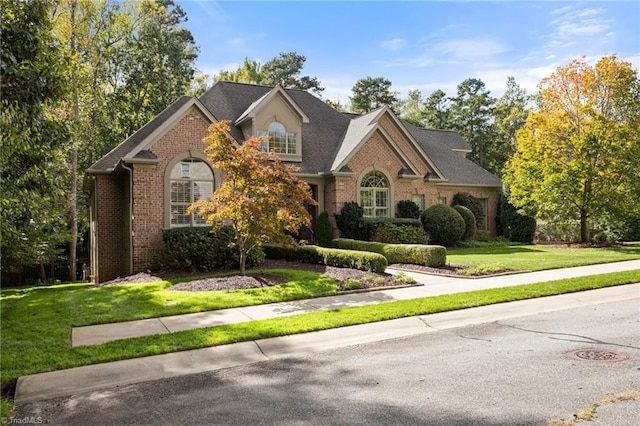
(183, 140)
(111, 212)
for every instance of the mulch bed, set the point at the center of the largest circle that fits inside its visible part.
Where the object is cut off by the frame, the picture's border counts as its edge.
(255, 280)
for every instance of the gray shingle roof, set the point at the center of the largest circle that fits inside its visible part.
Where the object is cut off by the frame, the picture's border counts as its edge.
(327, 139)
(455, 168)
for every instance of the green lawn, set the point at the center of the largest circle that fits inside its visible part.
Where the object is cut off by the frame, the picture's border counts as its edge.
(36, 321)
(540, 257)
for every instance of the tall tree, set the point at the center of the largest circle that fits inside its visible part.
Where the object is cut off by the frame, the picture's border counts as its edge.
(285, 69)
(577, 156)
(260, 198)
(156, 64)
(411, 108)
(249, 72)
(435, 111)
(129, 60)
(471, 113)
(510, 114)
(31, 139)
(370, 93)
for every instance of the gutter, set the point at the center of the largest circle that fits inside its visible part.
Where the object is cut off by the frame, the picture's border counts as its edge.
(124, 166)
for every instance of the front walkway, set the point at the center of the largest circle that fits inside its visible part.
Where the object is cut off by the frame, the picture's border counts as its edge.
(432, 286)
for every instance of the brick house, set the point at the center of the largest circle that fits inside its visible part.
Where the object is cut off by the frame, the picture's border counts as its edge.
(145, 184)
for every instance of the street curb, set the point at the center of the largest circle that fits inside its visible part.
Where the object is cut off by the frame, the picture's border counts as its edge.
(121, 373)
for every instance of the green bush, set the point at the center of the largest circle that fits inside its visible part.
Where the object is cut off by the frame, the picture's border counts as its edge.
(513, 225)
(469, 221)
(372, 224)
(472, 203)
(362, 260)
(350, 221)
(444, 224)
(197, 248)
(408, 209)
(417, 254)
(394, 234)
(323, 234)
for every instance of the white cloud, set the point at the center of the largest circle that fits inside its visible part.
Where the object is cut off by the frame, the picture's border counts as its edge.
(471, 48)
(394, 45)
(570, 22)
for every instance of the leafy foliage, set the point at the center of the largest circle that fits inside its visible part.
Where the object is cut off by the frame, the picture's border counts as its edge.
(371, 93)
(472, 203)
(417, 254)
(350, 221)
(283, 70)
(259, 197)
(363, 260)
(471, 113)
(576, 157)
(324, 234)
(469, 221)
(408, 209)
(444, 224)
(514, 225)
(198, 249)
(390, 233)
(32, 221)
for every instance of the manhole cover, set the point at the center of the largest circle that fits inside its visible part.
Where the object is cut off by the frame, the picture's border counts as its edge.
(597, 355)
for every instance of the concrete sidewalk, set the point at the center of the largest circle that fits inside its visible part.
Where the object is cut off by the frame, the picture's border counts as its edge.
(102, 377)
(432, 286)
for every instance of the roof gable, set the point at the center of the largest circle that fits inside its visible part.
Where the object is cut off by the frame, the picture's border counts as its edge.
(361, 128)
(261, 103)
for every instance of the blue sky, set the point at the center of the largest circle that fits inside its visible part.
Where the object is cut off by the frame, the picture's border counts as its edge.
(425, 45)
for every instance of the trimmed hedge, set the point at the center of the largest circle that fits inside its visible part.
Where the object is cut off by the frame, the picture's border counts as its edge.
(363, 260)
(197, 248)
(417, 254)
(394, 234)
(513, 225)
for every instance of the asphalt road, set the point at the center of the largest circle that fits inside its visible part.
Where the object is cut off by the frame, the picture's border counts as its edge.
(513, 372)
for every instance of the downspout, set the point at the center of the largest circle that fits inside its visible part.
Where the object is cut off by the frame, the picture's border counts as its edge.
(124, 166)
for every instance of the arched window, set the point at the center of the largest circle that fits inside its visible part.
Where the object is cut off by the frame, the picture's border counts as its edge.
(280, 141)
(191, 180)
(374, 195)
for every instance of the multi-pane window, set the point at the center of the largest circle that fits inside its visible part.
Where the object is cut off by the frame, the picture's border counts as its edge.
(191, 180)
(280, 141)
(374, 195)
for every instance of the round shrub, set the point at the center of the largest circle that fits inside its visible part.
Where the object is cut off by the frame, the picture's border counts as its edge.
(444, 224)
(408, 209)
(472, 203)
(469, 221)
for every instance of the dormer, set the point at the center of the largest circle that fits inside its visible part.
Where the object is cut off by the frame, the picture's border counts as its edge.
(277, 116)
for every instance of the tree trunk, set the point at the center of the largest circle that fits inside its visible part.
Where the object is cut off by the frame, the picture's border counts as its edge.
(584, 227)
(243, 261)
(73, 196)
(43, 274)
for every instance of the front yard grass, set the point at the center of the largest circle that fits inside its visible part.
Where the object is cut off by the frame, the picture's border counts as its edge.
(540, 257)
(37, 321)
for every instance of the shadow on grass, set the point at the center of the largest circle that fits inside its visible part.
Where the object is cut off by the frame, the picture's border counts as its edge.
(495, 250)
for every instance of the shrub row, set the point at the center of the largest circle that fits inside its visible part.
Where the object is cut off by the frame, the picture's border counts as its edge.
(198, 248)
(418, 254)
(363, 260)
